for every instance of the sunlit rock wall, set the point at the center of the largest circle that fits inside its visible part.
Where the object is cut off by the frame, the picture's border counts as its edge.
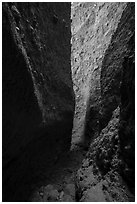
(93, 25)
(106, 71)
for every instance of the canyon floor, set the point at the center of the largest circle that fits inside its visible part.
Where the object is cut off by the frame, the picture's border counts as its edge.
(60, 184)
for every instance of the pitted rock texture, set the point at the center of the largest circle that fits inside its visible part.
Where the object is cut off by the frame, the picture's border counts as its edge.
(42, 45)
(127, 116)
(112, 67)
(101, 35)
(93, 25)
(38, 98)
(99, 179)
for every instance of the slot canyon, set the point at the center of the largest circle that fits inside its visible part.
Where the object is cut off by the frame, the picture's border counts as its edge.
(68, 102)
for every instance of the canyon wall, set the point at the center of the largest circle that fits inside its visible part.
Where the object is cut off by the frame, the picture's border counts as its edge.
(38, 98)
(49, 50)
(127, 116)
(103, 74)
(93, 25)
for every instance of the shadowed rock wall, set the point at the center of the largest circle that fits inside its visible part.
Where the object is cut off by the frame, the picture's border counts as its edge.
(38, 98)
(112, 67)
(117, 88)
(127, 116)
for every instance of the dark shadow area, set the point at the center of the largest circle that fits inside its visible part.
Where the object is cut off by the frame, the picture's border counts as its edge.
(64, 167)
(30, 147)
(33, 164)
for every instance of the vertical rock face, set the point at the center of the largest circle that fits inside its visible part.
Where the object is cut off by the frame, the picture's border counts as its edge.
(39, 54)
(93, 25)
(112, 67)
(103, 74)
(38, 98)
(127, 116)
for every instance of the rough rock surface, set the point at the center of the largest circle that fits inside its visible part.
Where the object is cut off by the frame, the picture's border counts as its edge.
(100, 164)
(112, 67)
(127, 116)
(99, 180)
(38, 98)
(107, 49)
(93, 25)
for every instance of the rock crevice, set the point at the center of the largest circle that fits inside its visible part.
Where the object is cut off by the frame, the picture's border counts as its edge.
(68, 101)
